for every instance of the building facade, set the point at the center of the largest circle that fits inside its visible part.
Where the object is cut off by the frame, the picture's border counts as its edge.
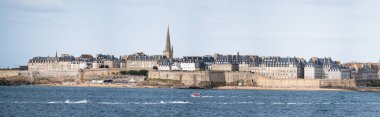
(281, 68)
(325, 68)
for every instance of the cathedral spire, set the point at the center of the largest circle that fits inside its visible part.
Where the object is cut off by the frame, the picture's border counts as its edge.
(168, 52)
(167, 47)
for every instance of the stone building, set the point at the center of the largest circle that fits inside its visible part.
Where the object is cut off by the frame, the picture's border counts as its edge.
(281, 68)
(313, 69)
(84, 61)
(225, 63)
(364, 71)
(249, 63)
(196, 63)
(165, 64)
(106, 61)
(141, 61)
(51, 63)
(338, 73)
(325, 68)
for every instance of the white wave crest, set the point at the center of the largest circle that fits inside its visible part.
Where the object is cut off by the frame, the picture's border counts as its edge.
(207, 96)
(110, 103)
(77, 102)
(55, 102)
(175, 102)
(150, 103)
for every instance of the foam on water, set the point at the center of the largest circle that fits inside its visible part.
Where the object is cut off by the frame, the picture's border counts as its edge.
(77, 102)
(244, 102)
(175, 102)
(207, 96)
(23, 102)
(110, 103)
(55, 102)
(150, 103)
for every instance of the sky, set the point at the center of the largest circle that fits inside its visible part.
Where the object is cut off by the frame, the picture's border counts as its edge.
(345, 30)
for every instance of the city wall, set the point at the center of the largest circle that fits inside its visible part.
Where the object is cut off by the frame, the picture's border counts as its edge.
(287, 83)
(190, 78)
(96, 73)
(61, 75)
(193, 78)
(249, 79)
(187, 78)
(8, 73)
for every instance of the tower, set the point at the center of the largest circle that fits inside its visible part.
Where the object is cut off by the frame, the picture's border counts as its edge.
(168, 52)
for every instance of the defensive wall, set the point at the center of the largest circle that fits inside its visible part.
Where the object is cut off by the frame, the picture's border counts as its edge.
(192, 78)
(8, 73)
(249, 79)
(61, 75)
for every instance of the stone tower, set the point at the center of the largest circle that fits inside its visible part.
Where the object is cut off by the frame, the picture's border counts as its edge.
(168, 52)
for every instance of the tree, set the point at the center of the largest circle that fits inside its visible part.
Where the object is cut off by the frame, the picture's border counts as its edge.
(135, 72)
(155, 67)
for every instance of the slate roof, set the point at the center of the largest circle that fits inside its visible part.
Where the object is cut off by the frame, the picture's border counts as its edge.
(276, 61)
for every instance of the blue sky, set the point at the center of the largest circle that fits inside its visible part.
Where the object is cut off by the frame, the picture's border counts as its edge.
(346, 30)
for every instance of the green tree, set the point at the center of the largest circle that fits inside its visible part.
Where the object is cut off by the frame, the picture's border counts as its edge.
(155, 67)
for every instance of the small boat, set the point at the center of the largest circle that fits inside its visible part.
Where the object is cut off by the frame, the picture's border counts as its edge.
(196, 95)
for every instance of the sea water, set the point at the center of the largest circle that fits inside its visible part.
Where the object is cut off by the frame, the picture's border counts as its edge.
(78, 101)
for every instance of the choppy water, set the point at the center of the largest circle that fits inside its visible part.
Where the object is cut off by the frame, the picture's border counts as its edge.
(75, 101)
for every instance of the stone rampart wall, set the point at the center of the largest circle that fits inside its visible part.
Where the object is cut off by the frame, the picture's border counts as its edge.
(338, 83)
(248, 78)
(9, 73)
(96, 73)
(287, 83)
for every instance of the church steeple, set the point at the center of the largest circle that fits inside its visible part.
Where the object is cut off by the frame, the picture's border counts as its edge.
(168, 52)
(167, 48)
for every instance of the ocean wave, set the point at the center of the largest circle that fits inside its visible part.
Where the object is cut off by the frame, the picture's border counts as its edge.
(77, 102)
(55, 102)
(110, 103)
(23, 102)
(175, 102)
(244, 102)
(207, 96)
(150, 103)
